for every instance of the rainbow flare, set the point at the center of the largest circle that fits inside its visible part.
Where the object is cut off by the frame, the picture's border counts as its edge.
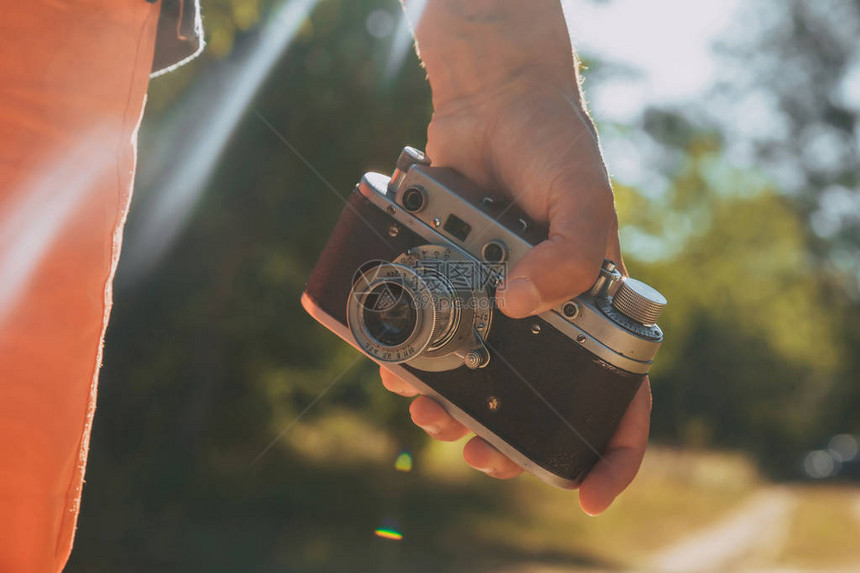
(388, 534)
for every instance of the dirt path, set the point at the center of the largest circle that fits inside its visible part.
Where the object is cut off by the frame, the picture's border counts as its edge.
(745, 539)
(857, 508)
(750, 539)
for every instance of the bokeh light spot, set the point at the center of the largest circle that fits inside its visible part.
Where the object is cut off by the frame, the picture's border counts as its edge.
(819, 464)
(380, 23)
(403, 462)
(843, 447)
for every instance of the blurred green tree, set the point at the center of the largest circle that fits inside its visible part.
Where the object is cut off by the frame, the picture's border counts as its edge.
(755, 240)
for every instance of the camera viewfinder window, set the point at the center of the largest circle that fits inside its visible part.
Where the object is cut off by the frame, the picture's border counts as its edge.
(457, 227)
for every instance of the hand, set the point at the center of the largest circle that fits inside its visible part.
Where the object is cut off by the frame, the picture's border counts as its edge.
(523, 130)
(534, 142)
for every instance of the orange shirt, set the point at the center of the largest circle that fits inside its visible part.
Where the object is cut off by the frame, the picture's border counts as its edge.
(73, 79)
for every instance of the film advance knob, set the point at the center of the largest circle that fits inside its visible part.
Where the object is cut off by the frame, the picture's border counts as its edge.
(411, 156)
(638, 301)
(408, 157)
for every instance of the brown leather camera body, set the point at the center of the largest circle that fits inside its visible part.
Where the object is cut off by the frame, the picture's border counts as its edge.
(543, 399)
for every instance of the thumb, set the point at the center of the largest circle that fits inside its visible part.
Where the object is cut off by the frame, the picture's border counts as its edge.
(563, 266)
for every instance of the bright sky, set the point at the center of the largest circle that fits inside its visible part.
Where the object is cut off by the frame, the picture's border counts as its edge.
(668, 40)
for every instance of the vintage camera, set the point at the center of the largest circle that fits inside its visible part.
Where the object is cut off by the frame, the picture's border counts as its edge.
(408, 277)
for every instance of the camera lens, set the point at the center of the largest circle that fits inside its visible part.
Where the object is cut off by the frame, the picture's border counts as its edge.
(389, 314)
(413, 199)
(411, 311)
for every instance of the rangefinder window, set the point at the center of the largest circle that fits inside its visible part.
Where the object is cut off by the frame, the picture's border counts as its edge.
(457, 227)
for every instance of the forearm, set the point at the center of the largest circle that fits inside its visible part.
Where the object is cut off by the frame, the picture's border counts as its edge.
(470, 47)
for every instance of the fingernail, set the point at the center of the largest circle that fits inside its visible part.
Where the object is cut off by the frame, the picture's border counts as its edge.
(521, 297)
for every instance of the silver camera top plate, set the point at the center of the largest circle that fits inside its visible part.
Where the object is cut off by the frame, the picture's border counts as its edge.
(445, 216)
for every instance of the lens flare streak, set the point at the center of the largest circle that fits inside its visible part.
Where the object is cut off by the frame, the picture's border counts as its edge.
(180, 193)
(402, 41)
(31, 225)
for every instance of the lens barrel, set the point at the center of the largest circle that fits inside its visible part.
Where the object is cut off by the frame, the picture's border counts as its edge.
(397, 312)
(429, 307)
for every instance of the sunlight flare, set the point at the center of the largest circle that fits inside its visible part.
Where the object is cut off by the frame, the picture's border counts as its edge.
(178, 195)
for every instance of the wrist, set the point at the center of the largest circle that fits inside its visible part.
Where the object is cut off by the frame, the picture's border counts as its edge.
(485, 46)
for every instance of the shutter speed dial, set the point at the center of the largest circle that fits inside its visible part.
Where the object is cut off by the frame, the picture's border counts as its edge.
(635, 299)
(629, 303)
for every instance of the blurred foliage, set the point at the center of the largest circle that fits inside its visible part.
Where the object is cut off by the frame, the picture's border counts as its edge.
(210, 358)
(759, 262)
(752, 354)
(801, 64)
